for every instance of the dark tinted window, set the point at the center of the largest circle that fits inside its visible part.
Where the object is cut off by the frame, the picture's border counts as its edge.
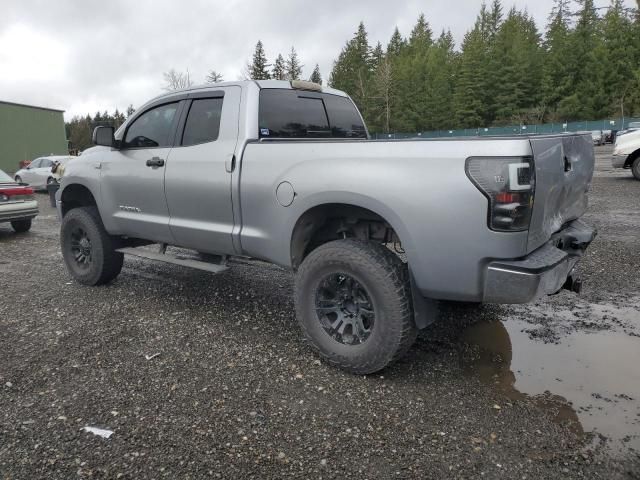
(152, 128)
(203, 121)
(291, 114)
(344, 118)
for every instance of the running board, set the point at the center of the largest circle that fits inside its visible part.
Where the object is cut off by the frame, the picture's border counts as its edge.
(174, 259)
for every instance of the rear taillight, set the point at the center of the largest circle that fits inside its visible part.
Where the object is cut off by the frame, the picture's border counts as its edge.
(509, 184)
(16, 194)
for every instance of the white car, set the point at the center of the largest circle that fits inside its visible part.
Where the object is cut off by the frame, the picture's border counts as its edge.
(626, 153)
(598, 137)
(38, 174)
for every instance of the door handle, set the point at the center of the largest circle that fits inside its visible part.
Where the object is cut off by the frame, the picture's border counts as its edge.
(155, 162)
(230, 163)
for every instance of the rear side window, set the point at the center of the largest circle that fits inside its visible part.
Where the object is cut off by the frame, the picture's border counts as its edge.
(153, 128)
(344, 118)
(291, 114)
(203, 121)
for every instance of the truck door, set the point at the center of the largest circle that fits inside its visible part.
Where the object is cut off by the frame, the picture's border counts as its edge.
(198, 177)
(132, 177)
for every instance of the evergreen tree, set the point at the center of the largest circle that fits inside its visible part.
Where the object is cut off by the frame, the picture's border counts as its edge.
(259, 67)
(440, 88)
(294, 67)
(584, 40)
(396, 44)
(517, 44)
(557, 70)
(377, 56)
(618, 62)
(315, 76)
(421, 35)
(471, 74)
(279, 71)
(352, 70)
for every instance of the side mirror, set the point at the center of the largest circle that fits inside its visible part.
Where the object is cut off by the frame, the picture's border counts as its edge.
(103, 136)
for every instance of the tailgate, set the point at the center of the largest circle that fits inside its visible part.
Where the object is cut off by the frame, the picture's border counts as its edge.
(564, 168)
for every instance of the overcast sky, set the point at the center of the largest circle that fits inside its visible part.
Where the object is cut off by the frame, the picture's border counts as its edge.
(89, 55)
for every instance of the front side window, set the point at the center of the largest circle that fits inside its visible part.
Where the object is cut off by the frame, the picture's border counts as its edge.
(36, 163)
(46, 163)
(203, 121)
(153, 128)
(291, 114)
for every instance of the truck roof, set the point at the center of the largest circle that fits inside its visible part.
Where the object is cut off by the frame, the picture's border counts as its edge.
(282, 84)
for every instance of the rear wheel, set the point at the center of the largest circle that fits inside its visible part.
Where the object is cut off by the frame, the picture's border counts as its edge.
(353, 303)
(18, 179)
(635, 168)
(88, 250)
(51, 181)
(21, 226)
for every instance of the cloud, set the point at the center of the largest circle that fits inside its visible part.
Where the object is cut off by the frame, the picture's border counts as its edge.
(95, 55)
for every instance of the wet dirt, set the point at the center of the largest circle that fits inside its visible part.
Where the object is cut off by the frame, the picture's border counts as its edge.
(583, 369)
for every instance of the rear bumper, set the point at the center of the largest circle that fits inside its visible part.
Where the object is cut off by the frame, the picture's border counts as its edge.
(18, 211)
(618, 161)
(542, 272)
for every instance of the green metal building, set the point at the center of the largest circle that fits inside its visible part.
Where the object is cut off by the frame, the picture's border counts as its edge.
(27, 132)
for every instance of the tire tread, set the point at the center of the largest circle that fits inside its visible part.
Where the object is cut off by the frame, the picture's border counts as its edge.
(389, 270)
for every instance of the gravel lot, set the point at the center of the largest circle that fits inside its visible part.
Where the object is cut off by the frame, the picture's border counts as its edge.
(200, 375)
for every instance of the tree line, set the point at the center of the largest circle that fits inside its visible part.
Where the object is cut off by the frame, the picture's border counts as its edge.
(79, 129)
(585, 66)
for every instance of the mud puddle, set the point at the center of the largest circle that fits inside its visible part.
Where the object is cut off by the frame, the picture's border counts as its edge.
(585, 373)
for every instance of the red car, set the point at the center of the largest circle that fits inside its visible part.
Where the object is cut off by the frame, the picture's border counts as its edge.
(17, 204)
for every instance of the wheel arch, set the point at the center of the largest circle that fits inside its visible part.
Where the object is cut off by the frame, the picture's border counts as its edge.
(632, 158)
(322, 221)
(76, 195)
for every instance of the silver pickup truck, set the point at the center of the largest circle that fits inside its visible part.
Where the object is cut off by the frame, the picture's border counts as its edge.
(376, 231)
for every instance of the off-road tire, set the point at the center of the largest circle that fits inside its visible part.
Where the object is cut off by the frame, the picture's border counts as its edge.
(386, 281)
(635, 168)
(105, 263)
(21, 226)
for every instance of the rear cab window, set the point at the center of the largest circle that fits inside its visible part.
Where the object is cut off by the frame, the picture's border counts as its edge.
(289, 113)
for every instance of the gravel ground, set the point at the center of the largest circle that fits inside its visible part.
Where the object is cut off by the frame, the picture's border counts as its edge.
(200, 375)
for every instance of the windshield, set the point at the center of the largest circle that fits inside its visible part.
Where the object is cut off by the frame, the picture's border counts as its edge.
(4, 178)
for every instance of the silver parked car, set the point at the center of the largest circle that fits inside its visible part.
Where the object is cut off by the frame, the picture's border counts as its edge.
(38, 173)
(598, 137)
(17, 204)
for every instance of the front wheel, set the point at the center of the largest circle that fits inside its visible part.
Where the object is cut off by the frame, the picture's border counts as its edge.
(21, 226)
(353, 302)
(635, 168)
(88, 250)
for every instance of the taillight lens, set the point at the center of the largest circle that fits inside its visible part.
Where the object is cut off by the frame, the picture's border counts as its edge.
(16, 194)
(509, 184)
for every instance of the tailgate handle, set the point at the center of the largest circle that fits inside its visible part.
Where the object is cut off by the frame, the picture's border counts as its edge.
(567, 164)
